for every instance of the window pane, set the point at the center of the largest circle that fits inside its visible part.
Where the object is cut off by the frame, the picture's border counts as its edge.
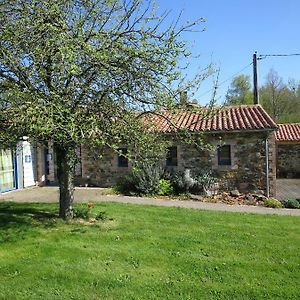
(171, 160)
(122, 159)
(224, 155)
(6, 170)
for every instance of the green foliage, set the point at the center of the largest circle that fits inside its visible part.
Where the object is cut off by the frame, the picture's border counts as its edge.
(86, 211)
(125, 186)
(143, 180)
(239, 91)
(185, 182)
(83, 210)
(275, 96)
(101, 216)
(165, 188)
(146, 178)
(61, 57)
(273, 203)
(109, 191)
(205, 180)
(292, 203)
(280, 100)
(78, 72)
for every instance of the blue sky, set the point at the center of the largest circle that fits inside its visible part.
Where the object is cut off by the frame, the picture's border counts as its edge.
(237, 28)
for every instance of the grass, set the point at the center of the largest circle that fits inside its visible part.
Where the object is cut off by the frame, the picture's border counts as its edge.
(145, 252)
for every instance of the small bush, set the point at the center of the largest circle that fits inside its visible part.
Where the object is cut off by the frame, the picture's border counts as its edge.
(186, 182)
(273, 203)
(165, 188)
(146, 177)
(143, 180)
(101, 216)
(185, 196)
(125, 186)
(205, 180)
(292, 203)
(109, 191)
(83, 210)
(183, 182)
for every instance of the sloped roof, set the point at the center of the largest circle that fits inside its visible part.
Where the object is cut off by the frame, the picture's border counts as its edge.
(288, 132)
(225, 119)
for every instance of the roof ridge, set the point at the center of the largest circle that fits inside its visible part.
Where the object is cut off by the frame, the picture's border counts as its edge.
(242, 105)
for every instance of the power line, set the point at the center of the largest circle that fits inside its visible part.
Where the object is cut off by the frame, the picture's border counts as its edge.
(226, 80)
(260, 57)
(263, 56)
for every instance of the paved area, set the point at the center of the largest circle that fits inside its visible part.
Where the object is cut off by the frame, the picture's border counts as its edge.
(288, 189)
(50, 194)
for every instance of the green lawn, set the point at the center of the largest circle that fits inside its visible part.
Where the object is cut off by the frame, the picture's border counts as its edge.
(147, 252)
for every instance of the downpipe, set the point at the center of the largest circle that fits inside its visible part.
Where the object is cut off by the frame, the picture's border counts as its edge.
(267, 168)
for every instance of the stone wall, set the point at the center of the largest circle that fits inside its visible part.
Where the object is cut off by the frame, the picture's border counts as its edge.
(101, 171)
(288, 160)
(246, 173)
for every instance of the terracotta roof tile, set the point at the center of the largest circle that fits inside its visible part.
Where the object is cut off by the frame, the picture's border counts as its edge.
(230, 118)
(288, 133)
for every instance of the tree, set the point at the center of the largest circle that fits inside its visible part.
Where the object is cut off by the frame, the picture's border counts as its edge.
(292, 112)
(239, 91)
(275, 96)
(79, 71)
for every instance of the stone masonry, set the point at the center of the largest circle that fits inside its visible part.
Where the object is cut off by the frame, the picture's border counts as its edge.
(247, 171)
(288, 160)
(102, 171)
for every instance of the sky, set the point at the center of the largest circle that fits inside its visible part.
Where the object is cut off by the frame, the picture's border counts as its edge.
(234, 30)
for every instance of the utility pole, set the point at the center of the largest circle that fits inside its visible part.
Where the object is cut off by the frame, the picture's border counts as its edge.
(255, 85)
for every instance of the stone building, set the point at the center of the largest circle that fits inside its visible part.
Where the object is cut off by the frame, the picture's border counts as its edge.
(288, 150)
(244, 155)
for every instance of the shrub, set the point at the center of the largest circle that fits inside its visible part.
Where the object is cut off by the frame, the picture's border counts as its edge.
(145, 178)
(273, 203)
(83, 210)
(165, 188)
(205, 180)
(101, 216)
(125, 186)
(292, 203)
(185, 182)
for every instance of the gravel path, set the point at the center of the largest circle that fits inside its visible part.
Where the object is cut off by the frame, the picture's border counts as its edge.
(50, 194)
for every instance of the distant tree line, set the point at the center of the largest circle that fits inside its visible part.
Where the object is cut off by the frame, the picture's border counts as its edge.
(281, 100)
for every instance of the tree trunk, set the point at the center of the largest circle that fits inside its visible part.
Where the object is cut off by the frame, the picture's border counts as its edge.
(66, 160)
